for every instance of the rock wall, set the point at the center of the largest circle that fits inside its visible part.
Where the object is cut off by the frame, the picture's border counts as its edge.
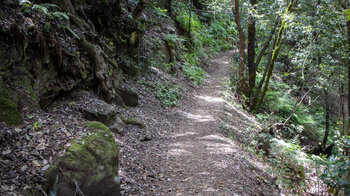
(47, 50)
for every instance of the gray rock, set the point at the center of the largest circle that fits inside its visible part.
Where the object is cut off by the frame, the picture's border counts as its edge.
(118, 126)
(101, 113)
(90, 166)
(130, 98)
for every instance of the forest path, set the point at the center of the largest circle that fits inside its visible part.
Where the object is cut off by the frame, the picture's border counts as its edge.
(199, 157)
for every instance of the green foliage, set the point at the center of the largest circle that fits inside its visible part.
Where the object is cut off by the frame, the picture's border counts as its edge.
(337, 168)
(208, 36)
(60, 15)
(46, 8)
(193, 72)
(173, 39)
(168, 93)
(280, 101)
(160, 12)
(347, 12)
(335, 174)
(291, 164)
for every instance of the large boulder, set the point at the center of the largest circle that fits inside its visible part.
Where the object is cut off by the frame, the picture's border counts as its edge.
(89, 167)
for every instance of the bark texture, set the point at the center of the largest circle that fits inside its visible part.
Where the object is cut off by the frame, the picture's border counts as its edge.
(251, 48)
(241, 45)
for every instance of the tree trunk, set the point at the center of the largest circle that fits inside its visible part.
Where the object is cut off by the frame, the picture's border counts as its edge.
(189, 18)
(326, 109)
(342, 112)
(242, 45)
(251, 49)
(348, 27)
(259, 87)
(267, 42)
(274, 57)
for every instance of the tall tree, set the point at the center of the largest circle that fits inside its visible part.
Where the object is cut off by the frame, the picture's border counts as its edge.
(266, 44)
(326, 108)
(241, 45)
(251, 48)
(274, 56)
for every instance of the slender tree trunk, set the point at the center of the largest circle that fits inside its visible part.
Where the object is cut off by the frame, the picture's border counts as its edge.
(189, 18)
(326, 108)
(251, 49)
(348, 27)
(296, 106)
(267, 42)
(274, 57)
(258, 60)
(342, 113)
(241, 47)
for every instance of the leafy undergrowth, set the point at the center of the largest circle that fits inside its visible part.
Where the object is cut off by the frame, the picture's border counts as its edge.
(208, 35)
(167, 92)
(296, 171)
(287, 146)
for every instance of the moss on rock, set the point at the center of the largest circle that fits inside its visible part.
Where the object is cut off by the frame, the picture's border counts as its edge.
(91, 163)
(8, 107)
(97, 125)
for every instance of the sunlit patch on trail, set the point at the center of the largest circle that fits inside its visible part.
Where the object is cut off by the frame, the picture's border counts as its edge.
(217, 137)
(221, 164)
(199, 117)
(184, 134)
(211, 99)
(182, 145)
(177, 152)
(219, 148)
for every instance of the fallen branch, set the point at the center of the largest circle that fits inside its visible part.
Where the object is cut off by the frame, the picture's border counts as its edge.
(300, 102)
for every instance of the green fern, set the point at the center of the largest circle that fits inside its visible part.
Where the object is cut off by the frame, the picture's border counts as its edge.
(50, 5)
(60, 15)
(40, 8)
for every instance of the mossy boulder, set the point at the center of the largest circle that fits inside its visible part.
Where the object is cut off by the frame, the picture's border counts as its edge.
(8, 106)
(90, 164)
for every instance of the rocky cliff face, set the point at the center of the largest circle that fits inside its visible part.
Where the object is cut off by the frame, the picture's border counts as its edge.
(48, 49)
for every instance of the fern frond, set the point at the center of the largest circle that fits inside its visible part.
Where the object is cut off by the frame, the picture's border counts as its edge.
(60, 15)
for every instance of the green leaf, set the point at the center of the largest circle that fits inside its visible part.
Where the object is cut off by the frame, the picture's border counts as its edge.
(50, 5)
(60, 15)
(36, 163)
(347, 11)
(40, 8)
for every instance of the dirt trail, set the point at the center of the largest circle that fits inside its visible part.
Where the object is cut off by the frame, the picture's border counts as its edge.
(193, 154)
(200, 159)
